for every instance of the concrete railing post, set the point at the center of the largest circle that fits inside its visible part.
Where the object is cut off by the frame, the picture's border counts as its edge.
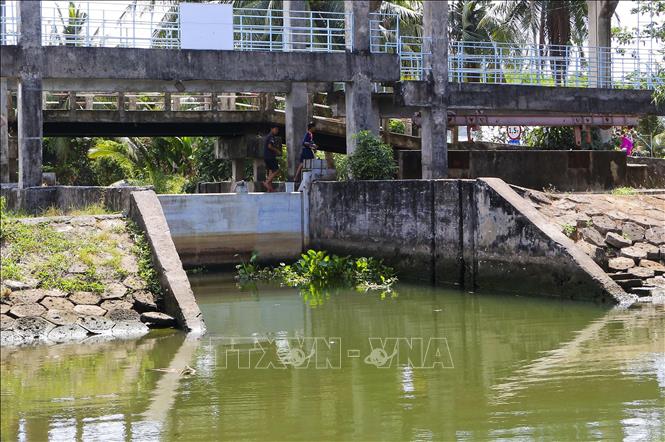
(30, 114)
(360, 114)
(4, 132)
(434, 136)
(600, 39)
(295, 39)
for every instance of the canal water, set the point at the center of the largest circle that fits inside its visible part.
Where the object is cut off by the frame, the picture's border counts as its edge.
(427, 364)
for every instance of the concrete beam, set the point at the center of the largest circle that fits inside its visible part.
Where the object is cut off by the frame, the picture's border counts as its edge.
(193, 86)
(75, 63)
(511, 98)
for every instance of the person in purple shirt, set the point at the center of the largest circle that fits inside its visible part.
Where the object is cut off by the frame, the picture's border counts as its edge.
(308, 148)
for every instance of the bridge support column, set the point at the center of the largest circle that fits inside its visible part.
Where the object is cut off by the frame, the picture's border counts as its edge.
(360, 114)
(296, 118)
(434, 135)
(600, 39)
(4, 132)
(30, 97)
(237, 170)
(294, 39)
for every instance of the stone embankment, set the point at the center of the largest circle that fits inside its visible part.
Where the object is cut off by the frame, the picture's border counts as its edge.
(624, 234)
(76, 278)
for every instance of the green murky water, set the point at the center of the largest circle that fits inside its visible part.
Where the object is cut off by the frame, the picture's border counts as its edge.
(273, 368)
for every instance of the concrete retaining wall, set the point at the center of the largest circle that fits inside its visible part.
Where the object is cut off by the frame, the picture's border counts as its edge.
(567, 170)
(179, 300)
(34, 200)
(654, 175)
(217, 229)
(476, 234)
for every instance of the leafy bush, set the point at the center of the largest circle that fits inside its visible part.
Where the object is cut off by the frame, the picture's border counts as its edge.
(341, 166)
(561, 138)
(372, 159)
(397, 126)
(317, 271)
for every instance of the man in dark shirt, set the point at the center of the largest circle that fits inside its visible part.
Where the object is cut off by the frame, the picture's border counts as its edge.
(271, 149)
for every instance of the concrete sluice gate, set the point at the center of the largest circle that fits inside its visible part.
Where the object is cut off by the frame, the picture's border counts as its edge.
(478, 235)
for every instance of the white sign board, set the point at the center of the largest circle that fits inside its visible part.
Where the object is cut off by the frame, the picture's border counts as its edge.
(206, 26)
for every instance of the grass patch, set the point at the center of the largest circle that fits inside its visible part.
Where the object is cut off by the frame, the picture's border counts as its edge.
(144, 255)
(40, 251)
(624, 191)
(9, 269)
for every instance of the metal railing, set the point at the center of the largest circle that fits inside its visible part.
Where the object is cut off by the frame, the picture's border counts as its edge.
(384, 33)
(152, 101)
(141, 24)
(273, 30)
(551, 65)
(544, 65)
(146, 24)
(9, 29)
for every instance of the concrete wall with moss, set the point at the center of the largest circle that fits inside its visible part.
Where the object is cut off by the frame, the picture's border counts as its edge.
(474, 234)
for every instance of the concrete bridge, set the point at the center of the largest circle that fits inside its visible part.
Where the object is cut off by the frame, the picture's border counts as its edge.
(444, 82)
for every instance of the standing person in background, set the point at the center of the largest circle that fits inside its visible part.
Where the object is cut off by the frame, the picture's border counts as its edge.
(271, 151)
(308, 148)
(627, 143)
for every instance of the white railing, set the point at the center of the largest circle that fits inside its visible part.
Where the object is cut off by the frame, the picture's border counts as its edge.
(9, 30)
(549, 65)
(543, 65)
(272, 30)
(142, 24)
(384, 33)
(146, 24)
(412, 54)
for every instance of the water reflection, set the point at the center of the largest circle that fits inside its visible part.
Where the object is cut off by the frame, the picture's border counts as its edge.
(523, 368)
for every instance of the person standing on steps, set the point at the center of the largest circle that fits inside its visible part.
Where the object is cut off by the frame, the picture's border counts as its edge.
(271, 150)
(308, 148)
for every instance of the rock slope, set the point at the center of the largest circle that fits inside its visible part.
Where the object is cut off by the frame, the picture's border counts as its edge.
(624, 234)
(75, 278)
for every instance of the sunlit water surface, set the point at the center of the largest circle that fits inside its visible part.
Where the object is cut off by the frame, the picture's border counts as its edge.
(499, 368)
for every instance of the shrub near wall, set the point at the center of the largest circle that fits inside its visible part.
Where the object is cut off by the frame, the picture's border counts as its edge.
(372, 160)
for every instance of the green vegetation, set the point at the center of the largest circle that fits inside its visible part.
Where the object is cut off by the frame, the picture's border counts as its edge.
(46, 251)
(317, 272)
(561, 138)
(397, 126)
(569, 230)
(623, 191)
(372, 160)
(141, 250)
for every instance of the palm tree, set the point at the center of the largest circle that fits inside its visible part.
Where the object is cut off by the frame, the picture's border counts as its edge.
(552, 24)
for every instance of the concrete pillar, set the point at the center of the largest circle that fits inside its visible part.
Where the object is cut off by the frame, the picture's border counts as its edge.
(13, 157)
(600, 37)
(30, 96)
(357, 25)
(296, 119)
(435, 118)
(259, 170)
(213, 102)
(237, 170)
(167, 101)
(360, 114)
(4, 132)
(295, 39)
